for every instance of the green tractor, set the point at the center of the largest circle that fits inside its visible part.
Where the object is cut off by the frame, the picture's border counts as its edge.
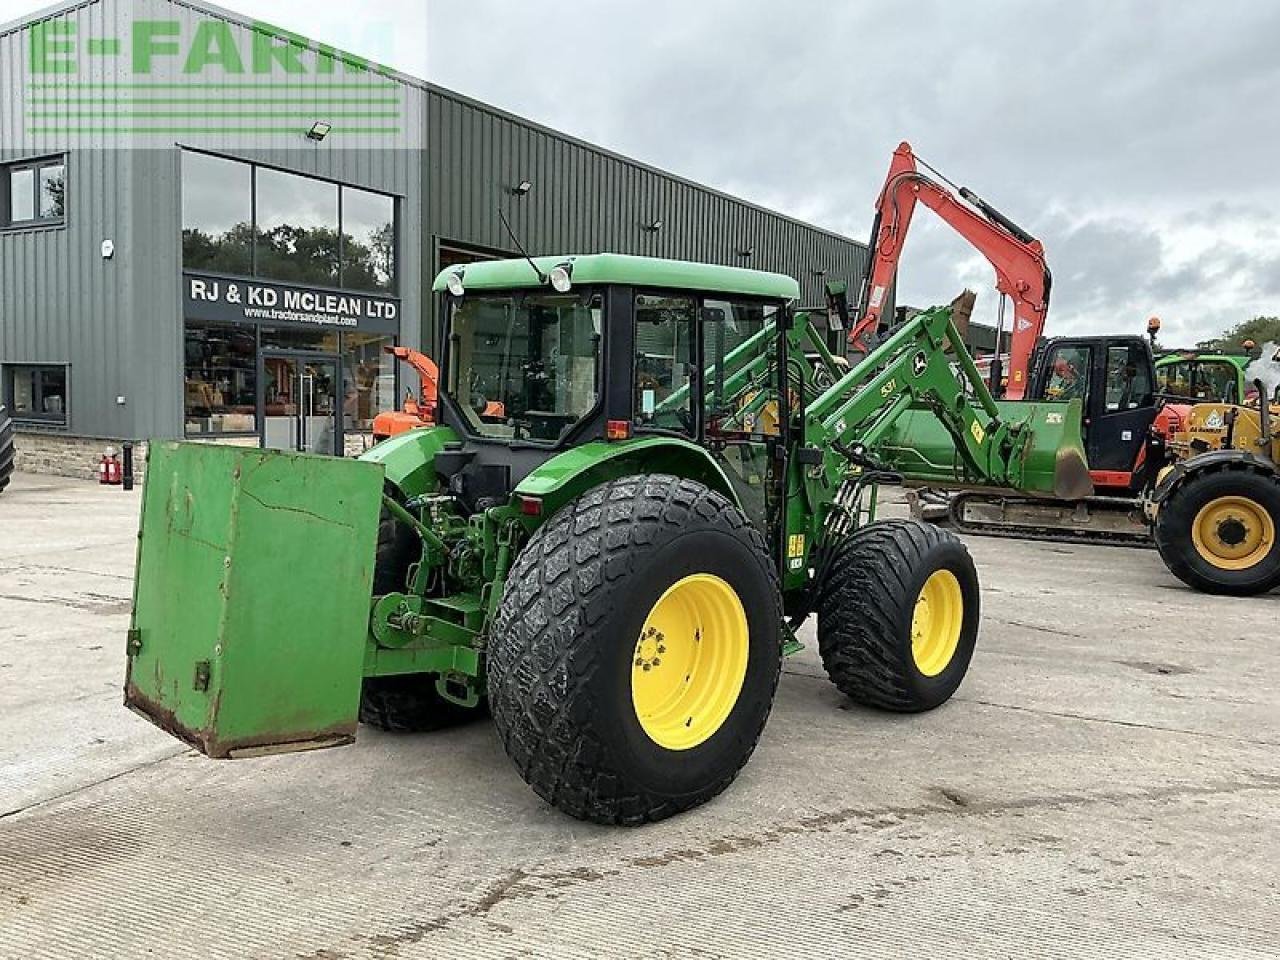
(1202, 376)
(640, 485)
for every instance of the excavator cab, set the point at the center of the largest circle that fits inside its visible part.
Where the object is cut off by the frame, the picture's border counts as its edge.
(1114, 378)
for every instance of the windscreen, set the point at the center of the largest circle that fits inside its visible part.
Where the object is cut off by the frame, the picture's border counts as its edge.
(524, 366)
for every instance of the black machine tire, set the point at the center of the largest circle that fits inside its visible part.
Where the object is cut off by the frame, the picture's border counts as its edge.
(6, 447)
(1177, 518)
(571, 621)
(866, 606)
(409, 703)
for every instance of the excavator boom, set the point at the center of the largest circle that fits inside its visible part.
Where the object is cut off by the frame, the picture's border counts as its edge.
(1022, 273)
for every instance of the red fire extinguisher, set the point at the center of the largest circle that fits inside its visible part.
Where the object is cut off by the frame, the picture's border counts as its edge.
(109, 469)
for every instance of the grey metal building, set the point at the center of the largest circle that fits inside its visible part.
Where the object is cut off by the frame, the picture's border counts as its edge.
(210, 227)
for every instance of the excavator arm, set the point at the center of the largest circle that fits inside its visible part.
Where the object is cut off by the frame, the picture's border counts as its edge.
(1022, 274)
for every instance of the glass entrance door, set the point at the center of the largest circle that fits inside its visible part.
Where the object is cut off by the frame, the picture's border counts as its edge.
(300, 402)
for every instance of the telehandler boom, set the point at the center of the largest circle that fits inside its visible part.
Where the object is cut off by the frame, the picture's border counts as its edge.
(614, 566)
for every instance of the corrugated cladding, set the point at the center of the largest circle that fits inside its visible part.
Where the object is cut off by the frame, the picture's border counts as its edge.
(118, 322)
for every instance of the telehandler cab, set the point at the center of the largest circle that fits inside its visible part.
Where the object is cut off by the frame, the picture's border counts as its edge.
(614, 566)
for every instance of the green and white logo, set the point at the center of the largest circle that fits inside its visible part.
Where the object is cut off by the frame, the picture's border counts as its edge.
(157, 78)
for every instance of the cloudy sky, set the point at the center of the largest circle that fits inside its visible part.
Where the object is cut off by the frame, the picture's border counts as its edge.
(1138, 140)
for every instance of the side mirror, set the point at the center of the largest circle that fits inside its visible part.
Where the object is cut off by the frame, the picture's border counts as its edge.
(837, 306)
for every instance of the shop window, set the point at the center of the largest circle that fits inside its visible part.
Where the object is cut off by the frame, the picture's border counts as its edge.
(217, 214)
(296, 240)
(368, 240)
(289, 338)
(369, 379)
(664, 335)
(34, 193)
(221, 380)
(37, 392)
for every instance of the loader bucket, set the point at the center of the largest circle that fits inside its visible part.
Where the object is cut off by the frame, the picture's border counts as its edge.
(251, 597)
(1053, 457)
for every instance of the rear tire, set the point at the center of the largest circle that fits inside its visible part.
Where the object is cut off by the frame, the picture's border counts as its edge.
(881, 643)
(634, 572)
(407, 703)
(6, 447)
(1217, 532)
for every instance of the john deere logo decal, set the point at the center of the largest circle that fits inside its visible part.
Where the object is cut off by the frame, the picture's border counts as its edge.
(919, 363)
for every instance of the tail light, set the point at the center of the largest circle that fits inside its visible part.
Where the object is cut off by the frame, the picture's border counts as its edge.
(617, 429)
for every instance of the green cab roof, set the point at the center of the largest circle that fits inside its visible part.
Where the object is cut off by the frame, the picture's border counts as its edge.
(625, 269)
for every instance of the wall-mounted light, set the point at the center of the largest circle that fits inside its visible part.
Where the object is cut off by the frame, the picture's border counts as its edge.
(522, 188)
(654, 226)
(319, 130)
(746, 251)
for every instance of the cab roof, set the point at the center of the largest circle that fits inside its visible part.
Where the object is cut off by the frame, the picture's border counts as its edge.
(624, 269)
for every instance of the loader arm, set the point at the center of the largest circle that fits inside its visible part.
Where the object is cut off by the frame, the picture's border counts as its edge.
(1018, 258)
(913, 369)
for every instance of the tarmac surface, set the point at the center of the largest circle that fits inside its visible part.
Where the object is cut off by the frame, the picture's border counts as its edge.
(1106, 783)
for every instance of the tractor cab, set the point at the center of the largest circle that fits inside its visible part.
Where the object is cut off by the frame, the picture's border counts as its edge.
(1204, 377)
(556, 354)
(1114, 378)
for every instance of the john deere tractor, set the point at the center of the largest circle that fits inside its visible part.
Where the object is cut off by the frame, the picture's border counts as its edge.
(633, 495)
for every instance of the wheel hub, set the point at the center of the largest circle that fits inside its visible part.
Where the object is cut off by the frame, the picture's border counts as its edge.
(936, 622)
(1233, 533)
(689, 662)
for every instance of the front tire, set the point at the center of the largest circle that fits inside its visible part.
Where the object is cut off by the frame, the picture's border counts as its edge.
(635, 654)
(898, 615)
(1217, 532)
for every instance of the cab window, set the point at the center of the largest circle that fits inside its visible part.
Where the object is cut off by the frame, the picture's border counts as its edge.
(664, 362)
(740, 396)
(1128, 378)
(1068, 373)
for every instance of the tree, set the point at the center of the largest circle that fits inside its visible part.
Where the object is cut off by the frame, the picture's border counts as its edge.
(1260, 330)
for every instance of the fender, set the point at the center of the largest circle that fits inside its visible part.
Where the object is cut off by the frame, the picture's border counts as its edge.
(568, 475)
(1185, 469)
(409, 458)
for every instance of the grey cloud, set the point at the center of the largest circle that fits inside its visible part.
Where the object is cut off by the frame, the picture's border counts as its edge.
(1101, 125)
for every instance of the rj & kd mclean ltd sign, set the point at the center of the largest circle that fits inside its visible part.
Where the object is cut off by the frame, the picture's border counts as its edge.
(220, 300)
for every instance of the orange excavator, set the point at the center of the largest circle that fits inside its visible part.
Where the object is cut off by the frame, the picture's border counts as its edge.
(1125, 424)
(1022, 274)
(420, 410)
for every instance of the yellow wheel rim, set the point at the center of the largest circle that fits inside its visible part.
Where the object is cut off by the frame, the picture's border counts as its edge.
(1233, 533)
(689, 662)
(936, 623)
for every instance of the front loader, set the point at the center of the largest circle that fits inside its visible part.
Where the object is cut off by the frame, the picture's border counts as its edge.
(613, 566)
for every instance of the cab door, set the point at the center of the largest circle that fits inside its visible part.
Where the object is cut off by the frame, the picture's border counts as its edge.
(1114, 378)
(1123, 410)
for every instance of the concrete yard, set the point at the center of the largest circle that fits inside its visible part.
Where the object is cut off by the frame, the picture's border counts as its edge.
(1105, 784)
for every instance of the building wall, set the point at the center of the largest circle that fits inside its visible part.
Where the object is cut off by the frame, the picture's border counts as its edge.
(118, 322)
(588, 200)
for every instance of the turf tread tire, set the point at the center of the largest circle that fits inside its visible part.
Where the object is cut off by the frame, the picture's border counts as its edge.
(1178, 512)
(6, 447)
(865, 607)
(550, 644)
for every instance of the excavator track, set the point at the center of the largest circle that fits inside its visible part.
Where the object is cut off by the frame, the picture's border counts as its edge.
(1107, 521)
